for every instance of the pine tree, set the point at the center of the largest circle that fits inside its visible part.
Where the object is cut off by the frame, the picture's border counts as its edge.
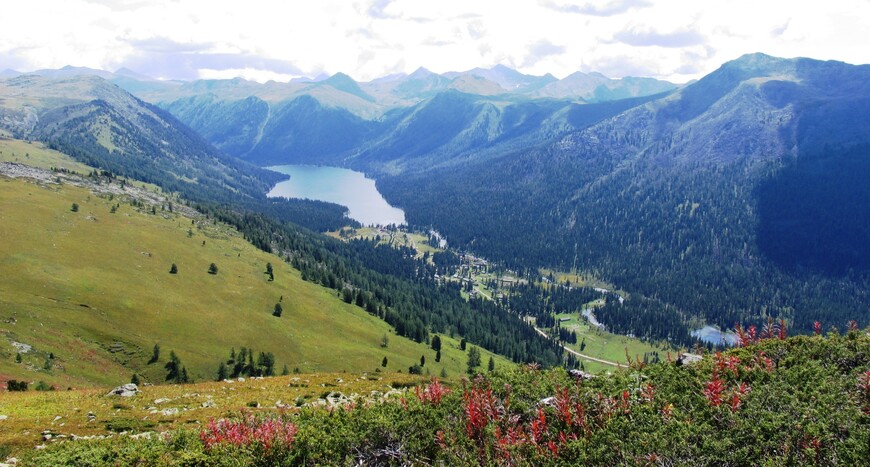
(438, 356)
(422, 360)
(212, 269)
(74, 207)
(155, 354)
(270, 272)
(473, 359)
(173, 368)
(491, 365)
(278, 310)
(285, 371)
(436, 343)
(462, 344)
(384, 362)
(222, 372)
(173, 269)
(134, 379)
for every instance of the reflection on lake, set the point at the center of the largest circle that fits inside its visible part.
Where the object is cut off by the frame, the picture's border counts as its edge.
(340, 186)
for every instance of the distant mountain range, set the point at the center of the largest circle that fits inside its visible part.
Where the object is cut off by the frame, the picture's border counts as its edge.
(340, 121)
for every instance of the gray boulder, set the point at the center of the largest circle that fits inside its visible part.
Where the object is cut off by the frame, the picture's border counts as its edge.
(127, 390)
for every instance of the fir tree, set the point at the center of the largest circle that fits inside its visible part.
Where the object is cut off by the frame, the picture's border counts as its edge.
(436, 343)
(473, 359)
(155, 354)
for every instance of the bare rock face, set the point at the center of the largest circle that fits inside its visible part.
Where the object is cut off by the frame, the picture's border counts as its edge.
(127, 390)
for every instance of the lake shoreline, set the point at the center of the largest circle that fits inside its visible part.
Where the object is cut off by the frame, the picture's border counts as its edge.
(345, 187)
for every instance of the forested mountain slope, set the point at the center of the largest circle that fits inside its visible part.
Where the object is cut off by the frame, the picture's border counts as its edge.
(740, 196)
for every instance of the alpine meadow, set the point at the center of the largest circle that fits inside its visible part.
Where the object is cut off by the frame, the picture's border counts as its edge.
(629, 233)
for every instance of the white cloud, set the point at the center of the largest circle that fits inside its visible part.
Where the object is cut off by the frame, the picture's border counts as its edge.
(272, 39)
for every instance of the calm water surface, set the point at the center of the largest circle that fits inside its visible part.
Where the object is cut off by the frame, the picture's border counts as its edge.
(340, 186)
(711, 335)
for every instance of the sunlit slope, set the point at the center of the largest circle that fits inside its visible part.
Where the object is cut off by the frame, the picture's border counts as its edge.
(93, 289)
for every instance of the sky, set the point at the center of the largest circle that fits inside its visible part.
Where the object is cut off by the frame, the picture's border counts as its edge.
(676, 40)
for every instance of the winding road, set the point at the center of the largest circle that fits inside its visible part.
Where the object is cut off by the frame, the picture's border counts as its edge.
(587, 357)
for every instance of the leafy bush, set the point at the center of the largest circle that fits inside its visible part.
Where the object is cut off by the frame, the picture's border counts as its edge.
(800, 400)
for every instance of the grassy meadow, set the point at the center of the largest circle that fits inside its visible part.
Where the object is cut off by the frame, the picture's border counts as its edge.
(168, 407)
(89, 294)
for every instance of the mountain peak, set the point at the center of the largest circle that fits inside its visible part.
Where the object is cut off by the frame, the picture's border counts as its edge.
(345, 83)
(760, 64)
(420, 73)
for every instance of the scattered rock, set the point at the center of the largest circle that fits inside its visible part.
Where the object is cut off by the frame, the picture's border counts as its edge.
(91, 416)
(127, 390)
(581, 375)
(241, 380)
(169, 412)
(3, 417)
(21, 347)
(549, 401)
(162, 400)
(207, 404)
(688, 359)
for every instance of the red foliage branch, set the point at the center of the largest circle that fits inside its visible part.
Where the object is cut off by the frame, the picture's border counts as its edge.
(433, 393)
(248, 431)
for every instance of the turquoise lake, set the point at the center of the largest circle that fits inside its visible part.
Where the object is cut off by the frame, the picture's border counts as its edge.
(340, 186)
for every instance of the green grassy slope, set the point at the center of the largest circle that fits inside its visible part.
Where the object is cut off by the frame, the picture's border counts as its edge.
(93, 288)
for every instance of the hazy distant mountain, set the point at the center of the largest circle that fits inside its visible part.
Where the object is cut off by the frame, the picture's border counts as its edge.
(510, 80)
(353, 119)
(595, 87)
(420, 83)
(368, 125)
(346, 84)
(7, 73)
